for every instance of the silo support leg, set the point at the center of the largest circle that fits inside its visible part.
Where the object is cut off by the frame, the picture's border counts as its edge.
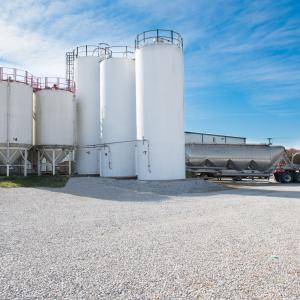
(7, 170)
(39, 164)
(53, 162)
(25, 163)
(70, 165)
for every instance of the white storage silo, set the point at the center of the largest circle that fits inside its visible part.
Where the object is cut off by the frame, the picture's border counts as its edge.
(16, 95)
(86, 77)
(117, 113)
(55, 122)
(159, 105)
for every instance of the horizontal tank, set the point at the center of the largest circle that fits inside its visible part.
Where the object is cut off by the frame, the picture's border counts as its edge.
(15, 115)
(117, 113)
(237, 157)
(55, 117)
(159, 106)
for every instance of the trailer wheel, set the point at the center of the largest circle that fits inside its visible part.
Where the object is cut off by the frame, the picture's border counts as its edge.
(277, 177)
(286, 177)
(297, 177)
(237, 178)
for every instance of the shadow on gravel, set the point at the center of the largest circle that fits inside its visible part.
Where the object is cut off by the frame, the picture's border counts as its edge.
(276, 193)
(134, 190)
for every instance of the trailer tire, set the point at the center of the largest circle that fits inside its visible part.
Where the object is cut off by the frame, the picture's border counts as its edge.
(277, 177)
(237, 178)
(297, 177)
(286, 177)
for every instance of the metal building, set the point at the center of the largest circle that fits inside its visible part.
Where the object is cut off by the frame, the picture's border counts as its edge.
(55, 123)
(86, 77)
(206, 138)
(159, 105)
(16, 95)
(117, 113)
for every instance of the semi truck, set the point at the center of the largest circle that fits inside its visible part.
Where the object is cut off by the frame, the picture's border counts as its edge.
(238, 161)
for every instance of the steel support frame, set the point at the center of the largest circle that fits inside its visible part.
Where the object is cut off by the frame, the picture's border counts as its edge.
(8, 152)
(54, 154)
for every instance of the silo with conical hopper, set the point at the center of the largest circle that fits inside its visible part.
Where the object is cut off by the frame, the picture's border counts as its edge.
(55, 119)
(159, 105)
(117, 112)
(16, 94)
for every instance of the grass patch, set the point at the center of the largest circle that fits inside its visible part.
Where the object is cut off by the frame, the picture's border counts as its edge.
(33, 181)
(189, 174)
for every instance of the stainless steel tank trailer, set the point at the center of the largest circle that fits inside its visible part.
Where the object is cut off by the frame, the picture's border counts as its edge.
(240, 161)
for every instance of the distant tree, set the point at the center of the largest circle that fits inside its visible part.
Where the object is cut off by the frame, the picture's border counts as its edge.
(291, 152)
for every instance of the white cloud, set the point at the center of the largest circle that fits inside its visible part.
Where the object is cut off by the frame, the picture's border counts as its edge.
(35, 35)
(31, 50)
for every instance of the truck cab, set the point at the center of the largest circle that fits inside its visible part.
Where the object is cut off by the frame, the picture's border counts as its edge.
(289, 173)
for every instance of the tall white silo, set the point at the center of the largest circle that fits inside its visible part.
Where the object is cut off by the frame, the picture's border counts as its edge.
(117, 113)
(159, 105)
(16, 95)
(55, 123)
(86, 77)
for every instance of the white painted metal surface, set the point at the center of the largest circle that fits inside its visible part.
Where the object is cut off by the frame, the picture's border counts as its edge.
(159, 92)
(86, 75)
(55, 119)
(117, 117)
(15, 117)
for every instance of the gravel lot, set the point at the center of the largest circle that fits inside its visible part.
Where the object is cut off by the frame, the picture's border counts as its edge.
(113, 239)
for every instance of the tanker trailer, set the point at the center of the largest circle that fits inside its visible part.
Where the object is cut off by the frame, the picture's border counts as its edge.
(236, 161)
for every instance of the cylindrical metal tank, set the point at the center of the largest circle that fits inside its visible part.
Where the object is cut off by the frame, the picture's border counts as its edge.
(159, 106)
(86, 77)
(55, 120)
(237, 157)
(117, 113)
(15, 114)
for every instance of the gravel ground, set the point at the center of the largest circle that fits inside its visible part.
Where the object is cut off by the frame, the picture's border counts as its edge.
(112, 239)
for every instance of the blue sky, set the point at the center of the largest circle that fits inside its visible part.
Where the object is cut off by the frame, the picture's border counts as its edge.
(242, 58)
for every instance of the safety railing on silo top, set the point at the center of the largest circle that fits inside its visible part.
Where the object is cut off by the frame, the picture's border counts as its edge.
(158, 36)
(119, 52)
(55, 83)
(17, 75)
(91, 50)
(37, 83)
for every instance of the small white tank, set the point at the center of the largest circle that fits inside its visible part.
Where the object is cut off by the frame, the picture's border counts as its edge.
(86, 77)
(55, 119)
(117, 113)
(16, 96)
(159, 105)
